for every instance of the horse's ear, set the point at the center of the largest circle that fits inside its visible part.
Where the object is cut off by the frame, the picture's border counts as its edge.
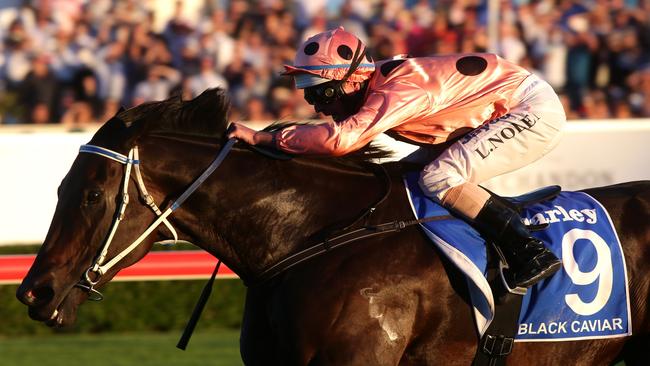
(135, 126)
(122, 134)
(113, 130)
(134, 131)
(117, 113)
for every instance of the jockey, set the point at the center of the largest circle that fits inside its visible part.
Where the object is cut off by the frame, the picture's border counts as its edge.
(496, 116)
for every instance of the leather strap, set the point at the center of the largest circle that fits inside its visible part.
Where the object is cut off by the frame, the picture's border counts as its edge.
(499, 338)
(334, 242)
(198, 309)
(356, 61)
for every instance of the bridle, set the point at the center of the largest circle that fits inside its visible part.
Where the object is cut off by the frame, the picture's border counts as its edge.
(93, 274)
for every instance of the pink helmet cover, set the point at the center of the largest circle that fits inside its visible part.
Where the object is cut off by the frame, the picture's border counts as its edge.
(329, 55)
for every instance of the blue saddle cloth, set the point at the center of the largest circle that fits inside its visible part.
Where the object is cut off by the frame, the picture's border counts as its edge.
(587, 299)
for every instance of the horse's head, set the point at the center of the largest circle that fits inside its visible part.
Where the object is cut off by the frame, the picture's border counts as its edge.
(85, 246)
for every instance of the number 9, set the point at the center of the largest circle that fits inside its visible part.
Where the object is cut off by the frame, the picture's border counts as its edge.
(602, 271)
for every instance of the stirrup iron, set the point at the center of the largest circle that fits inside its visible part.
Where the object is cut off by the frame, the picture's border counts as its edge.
(503, 265)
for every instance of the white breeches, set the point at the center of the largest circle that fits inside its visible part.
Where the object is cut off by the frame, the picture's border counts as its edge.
(530, 130)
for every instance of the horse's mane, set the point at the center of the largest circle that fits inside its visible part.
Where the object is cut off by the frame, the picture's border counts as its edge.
(207, 115)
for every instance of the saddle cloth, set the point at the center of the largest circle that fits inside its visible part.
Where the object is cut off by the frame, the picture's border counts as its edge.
(587, 299)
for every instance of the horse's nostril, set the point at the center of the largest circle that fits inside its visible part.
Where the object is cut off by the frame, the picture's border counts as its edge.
(29, 296)
(40, 295)
(25, 296)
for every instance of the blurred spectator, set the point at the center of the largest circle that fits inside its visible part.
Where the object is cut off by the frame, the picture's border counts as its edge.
(65, 60)
(581, 45)
(17, 47)
(307, 10)
(351, 21)
(639, 82)
(85, 105)
(206, 78)
(217, 39)
(92, 56)
(595, 105)
(38, 90)
(160, 81)
(179, 33)
(552, 58)
(111, 72)
(248, 86)
(511, 46)
(44, 28)
(256, 110)
(129, 12)
(255, 52)
(318, 24)
(282, 101)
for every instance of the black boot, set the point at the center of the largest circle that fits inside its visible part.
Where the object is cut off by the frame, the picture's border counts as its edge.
(528, 259)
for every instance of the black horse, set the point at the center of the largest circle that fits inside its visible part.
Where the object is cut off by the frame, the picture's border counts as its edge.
(383, 300)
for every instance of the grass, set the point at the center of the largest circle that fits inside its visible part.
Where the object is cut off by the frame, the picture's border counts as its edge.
(216, 348)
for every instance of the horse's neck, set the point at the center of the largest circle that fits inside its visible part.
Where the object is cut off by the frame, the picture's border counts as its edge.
(255, 211)
(278, 207)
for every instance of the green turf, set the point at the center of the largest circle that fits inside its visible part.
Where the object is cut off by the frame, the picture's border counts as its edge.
(219, 347)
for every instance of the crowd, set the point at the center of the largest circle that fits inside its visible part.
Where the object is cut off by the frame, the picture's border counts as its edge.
(78, 61)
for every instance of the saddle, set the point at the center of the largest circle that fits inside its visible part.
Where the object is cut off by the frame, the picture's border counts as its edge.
(576, 228)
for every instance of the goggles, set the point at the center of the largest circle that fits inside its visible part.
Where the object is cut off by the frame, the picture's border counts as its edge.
(321, 94)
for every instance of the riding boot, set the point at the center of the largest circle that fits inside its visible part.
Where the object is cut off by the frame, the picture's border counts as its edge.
(529, 261)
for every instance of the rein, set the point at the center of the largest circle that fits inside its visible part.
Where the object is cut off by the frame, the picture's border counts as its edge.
(94, 273)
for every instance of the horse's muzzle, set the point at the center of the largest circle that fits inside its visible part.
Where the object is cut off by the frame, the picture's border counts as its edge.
(40, 298)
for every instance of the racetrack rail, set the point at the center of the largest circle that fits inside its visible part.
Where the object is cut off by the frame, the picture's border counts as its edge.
(170, 265)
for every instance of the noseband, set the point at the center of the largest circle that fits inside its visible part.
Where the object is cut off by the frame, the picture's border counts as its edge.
(94, 273)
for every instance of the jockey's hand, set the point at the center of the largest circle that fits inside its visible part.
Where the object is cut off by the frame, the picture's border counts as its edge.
(249, 135)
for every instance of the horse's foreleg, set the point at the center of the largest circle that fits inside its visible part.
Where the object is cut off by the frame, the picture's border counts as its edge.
(256, 340)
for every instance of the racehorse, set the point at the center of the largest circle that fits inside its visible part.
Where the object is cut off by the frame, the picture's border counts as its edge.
(382, 300)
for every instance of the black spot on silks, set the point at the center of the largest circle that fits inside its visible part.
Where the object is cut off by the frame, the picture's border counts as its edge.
(311, 48)
(471, 65)
(345, 52)
(390, 66)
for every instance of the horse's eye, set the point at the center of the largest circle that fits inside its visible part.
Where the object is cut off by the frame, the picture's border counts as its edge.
(93, 197)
